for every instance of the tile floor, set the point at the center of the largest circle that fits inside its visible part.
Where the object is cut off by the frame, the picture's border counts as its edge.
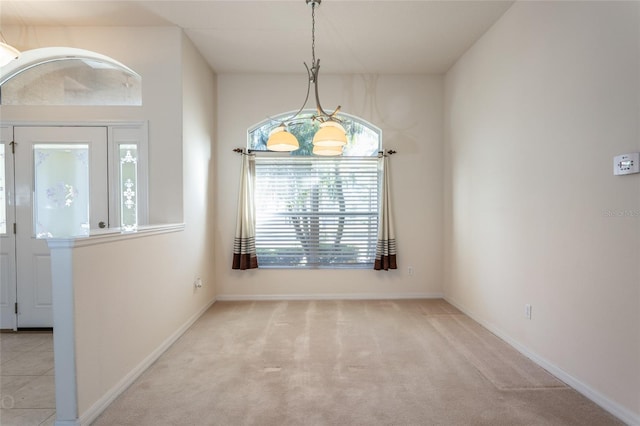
(27, 393)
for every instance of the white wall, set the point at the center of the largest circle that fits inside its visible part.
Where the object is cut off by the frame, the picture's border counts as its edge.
(154, 53)
(128, 305)
(408, 109)
(535, 112)
(145, 292)
(198, 141)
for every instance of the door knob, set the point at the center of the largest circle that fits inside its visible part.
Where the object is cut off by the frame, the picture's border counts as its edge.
(102, 224)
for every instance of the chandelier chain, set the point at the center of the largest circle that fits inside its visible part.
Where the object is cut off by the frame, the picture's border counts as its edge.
(313, 34)
(331, 137)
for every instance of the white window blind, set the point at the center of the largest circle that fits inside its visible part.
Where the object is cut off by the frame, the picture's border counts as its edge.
(316, 212)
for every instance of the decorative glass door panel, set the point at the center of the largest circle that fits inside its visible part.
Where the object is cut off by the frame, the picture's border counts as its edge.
(61, 190)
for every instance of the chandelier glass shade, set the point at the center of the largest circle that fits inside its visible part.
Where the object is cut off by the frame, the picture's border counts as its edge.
(331, 133)
(281, 140)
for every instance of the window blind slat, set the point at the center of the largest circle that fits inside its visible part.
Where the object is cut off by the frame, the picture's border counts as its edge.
(315, 212)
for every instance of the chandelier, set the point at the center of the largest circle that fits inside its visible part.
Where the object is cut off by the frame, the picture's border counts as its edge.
(331, 136)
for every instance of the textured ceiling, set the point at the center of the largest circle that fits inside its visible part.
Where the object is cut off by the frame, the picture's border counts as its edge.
(408, 37)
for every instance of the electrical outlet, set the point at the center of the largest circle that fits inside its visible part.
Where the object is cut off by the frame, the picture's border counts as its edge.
(527, 311)
(198, 283)
(410, 271)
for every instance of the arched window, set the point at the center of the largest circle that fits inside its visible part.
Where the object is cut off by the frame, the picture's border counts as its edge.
(363, 138)
(317, 212)
(68, 76)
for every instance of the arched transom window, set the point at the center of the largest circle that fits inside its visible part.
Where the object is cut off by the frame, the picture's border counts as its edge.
(363, 138)
(68, 76)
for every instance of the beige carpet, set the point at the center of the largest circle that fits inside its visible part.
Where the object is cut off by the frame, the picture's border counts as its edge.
(413, 362)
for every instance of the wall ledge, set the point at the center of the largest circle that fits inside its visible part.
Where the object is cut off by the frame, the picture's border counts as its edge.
(111, 235)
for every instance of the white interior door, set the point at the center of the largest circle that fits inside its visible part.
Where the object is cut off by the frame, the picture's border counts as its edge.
(7, 238)
(61, 190)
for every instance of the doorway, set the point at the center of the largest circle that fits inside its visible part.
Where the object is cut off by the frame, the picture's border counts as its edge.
(54, 185)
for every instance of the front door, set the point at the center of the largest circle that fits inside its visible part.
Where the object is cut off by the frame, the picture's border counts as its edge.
(61, 190)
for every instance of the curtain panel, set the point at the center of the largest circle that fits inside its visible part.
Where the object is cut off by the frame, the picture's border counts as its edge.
(244, 243)
(386, 246)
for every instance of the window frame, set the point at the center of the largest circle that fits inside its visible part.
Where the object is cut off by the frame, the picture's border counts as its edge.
(368, 229)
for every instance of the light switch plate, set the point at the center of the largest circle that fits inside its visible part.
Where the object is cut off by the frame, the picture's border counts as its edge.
(626, 164)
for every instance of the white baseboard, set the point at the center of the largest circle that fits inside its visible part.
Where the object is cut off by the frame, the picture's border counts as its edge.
(326, 296)
(96, 409)
(622, 413)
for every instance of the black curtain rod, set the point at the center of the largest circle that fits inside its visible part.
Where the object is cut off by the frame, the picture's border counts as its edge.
(249, 151)
(242, 150)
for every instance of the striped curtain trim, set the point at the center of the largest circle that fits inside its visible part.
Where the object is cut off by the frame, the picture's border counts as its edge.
(244, 253)
(244, 245)
(244, 261)
(385, 255)
(386, 247)
(385, 263)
